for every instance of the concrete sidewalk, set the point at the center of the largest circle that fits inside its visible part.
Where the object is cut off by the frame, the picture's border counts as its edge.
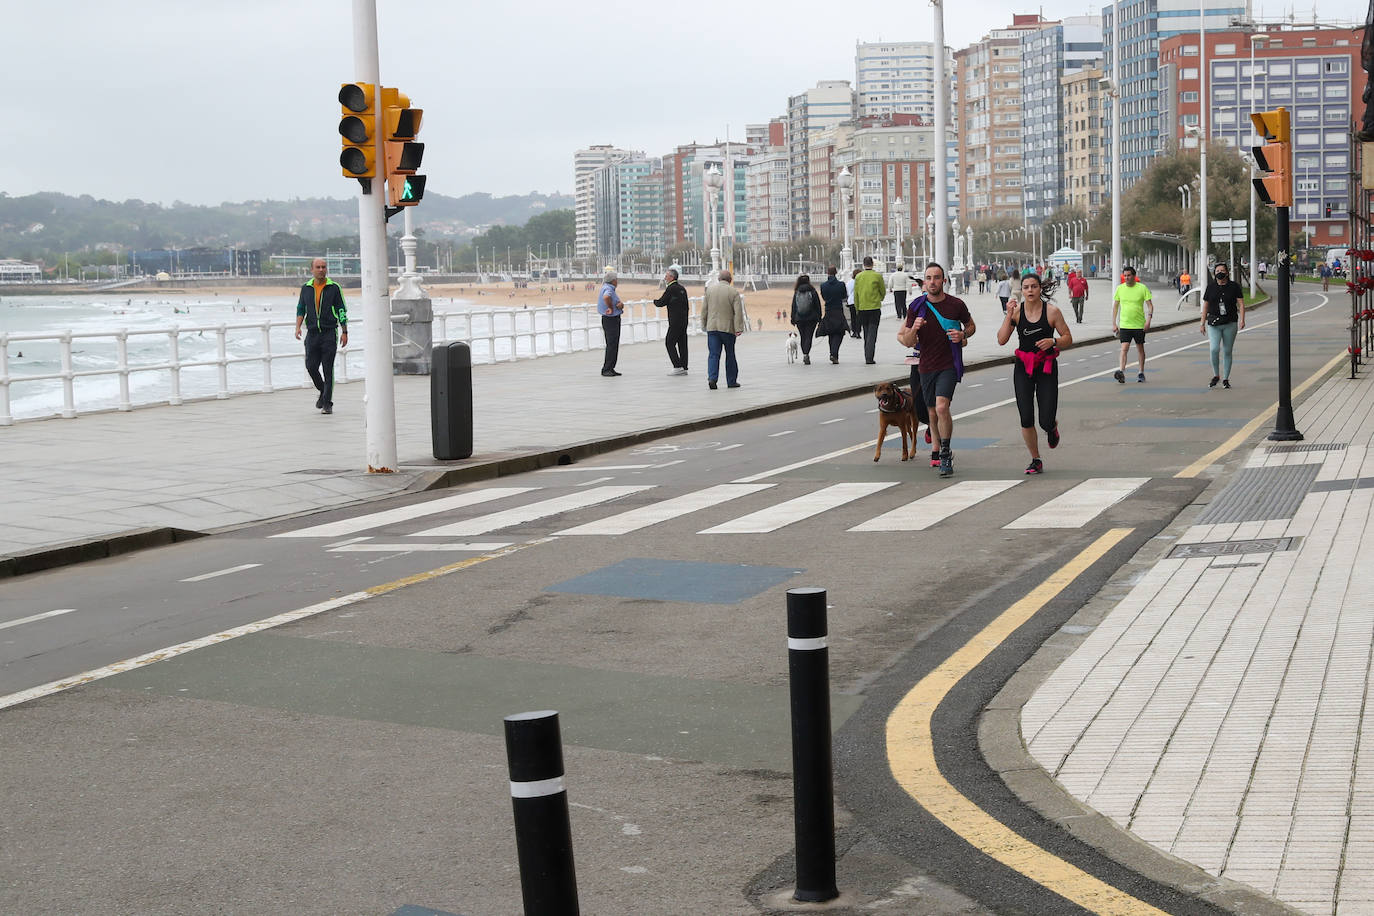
(1218, 706)
(110, 482)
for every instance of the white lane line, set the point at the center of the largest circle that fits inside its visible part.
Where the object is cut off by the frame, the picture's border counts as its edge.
(785, 432)
(644, 516)
(157, 655)
(596, 480)
(361, 537)
(795, 510)
(928, 510)
(597, 467)
(43, 616)
(996, 404)
(222, 572)
(1081, 504)
(419, 547)
(404, 513)
(726, 448)
(521, 514)
(836, 420)
(668, 464)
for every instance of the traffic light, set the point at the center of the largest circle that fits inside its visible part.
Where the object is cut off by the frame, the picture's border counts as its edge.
(400, 124)
(357, 128)
(1274, 157)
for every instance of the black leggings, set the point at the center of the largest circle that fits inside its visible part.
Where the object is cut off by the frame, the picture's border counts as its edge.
(807, 330)
(1043, 389)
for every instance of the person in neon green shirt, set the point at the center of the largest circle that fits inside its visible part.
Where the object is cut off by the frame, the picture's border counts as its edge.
(869, 290)
(1132, 311)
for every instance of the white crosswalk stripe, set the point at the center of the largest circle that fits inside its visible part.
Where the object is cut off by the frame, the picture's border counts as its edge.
(522, 514)
(404, 513)
(645, 516)
(929, 510)
(795, 510)
(1081, 504)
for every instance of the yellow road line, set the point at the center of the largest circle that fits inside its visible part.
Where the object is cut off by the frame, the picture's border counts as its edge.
(911, 757)
(1248, 430)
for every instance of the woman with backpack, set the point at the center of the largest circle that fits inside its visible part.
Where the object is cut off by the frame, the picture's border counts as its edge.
(806, 313)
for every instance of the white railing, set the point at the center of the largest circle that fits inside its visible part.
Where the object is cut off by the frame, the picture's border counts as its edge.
(123, 369)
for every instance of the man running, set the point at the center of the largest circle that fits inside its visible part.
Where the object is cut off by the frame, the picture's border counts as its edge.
(942, 324)
(1132, 311)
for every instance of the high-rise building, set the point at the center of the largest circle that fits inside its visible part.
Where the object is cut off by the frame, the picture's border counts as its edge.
(1047, 54)
(1081, 141)
(585, 164)
(897, 77)
(1145, 24)
(892, 160)
(831, 102)
(989, 79)
(766, 196)
(1313, 72)
(685, 200)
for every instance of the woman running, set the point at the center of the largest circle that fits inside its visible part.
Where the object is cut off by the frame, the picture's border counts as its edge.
(1035, 376)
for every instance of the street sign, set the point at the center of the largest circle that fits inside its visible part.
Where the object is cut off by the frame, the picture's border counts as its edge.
(1230, 230)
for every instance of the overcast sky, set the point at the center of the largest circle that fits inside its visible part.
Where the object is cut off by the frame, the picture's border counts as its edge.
(212, 102)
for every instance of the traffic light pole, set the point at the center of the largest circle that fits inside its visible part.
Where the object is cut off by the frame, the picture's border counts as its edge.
(1284, 428)
(379, 389)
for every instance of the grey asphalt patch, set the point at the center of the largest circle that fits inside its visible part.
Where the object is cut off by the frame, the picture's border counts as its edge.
(677, 580)
(734, 725)
(1205, 422)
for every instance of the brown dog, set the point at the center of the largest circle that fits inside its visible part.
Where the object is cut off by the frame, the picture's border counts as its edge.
(896, 407)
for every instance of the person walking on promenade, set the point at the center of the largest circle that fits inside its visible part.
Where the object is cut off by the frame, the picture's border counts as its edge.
(722, 318)
(1078, 294)
(869, 291)
(806, 313)
(982, 279)
(832, 323)
(1325, 272)
(900, 284)
(1041, 333)
(1003, 289)
(1223, 314)
(610, 307)
(1185, 283)
(321, 308)
(849, 298)
(1132, 311)
(674, 299)
(939, 325)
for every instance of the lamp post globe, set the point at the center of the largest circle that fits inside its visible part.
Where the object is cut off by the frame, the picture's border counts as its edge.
(897, 215)
(714, 181)
(845, 180)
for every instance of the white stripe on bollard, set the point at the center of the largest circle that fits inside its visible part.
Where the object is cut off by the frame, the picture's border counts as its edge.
(818, 642)
(537, 788)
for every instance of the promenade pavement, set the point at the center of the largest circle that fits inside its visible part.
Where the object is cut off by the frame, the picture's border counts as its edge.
(107, 482)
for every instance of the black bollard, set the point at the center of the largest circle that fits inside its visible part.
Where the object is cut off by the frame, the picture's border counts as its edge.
(543, 832)
(808, 666)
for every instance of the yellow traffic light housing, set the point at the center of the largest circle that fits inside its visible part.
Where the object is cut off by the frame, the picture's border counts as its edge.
(1275, 157)
(357, 127)
(403, 154)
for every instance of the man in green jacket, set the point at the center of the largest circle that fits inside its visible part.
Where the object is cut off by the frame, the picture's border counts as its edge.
(321, 309)
(869, 290)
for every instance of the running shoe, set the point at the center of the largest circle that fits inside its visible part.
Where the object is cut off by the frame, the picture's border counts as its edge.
(935, 458)
(1053, 437)
(927, 435)
(1119, 376)
(1035, 467)
(1213, 382)
(946, 464)
(1226, 383)
(1140, 376)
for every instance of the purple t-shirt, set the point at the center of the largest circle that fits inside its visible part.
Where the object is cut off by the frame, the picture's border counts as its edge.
(936, 353)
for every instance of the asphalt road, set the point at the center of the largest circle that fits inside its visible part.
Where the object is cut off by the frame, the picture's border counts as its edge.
(641, 594)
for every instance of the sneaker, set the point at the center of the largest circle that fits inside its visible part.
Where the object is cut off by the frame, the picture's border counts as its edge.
(329, 408)
(806, 359)
(927, 435)
(609, 373)
(1213, 382)
(1119, 376)
(1053, 437)
(1140, 376)
(835, 360)
(946, 465)
(678, 371)
(319, 402)
(711, 383)
(1035, 467)
(1226, 383)
(935, 458)
(732, 385)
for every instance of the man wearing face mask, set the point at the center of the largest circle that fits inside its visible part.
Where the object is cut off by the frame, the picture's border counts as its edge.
(1223, 314)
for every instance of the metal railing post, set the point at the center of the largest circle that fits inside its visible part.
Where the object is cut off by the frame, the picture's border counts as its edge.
(68, 392)
(174, 363)
(122, 366)
(221, 333)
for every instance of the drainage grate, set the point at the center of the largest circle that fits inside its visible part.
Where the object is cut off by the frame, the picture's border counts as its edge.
(1233, 548)
(319, 471)
(1306, 447)
(1261, 494)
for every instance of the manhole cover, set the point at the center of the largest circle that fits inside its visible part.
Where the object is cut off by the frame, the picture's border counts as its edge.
(1232, 548)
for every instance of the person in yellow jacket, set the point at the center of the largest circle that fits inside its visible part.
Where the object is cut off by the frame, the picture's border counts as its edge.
(869, 290)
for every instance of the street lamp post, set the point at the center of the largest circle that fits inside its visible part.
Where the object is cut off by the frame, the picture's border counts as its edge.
(897, 205)
(1204, 111)
(932, 251)
(714, 182)
(968, 250)
(846, 181)
(1254, 196)
(1115, 95)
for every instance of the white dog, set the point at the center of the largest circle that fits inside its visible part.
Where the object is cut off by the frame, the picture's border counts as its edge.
(793, 347)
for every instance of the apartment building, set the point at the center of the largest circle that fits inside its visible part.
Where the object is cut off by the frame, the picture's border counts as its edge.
(1048, 54)
(1081, 150)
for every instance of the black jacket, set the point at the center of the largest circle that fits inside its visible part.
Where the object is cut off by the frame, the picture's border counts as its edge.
(674, 298)
(332, 313)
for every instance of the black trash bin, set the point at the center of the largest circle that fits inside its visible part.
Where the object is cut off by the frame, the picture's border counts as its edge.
(450, 400)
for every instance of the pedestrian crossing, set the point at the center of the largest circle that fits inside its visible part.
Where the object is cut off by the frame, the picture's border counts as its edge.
(893, 511)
